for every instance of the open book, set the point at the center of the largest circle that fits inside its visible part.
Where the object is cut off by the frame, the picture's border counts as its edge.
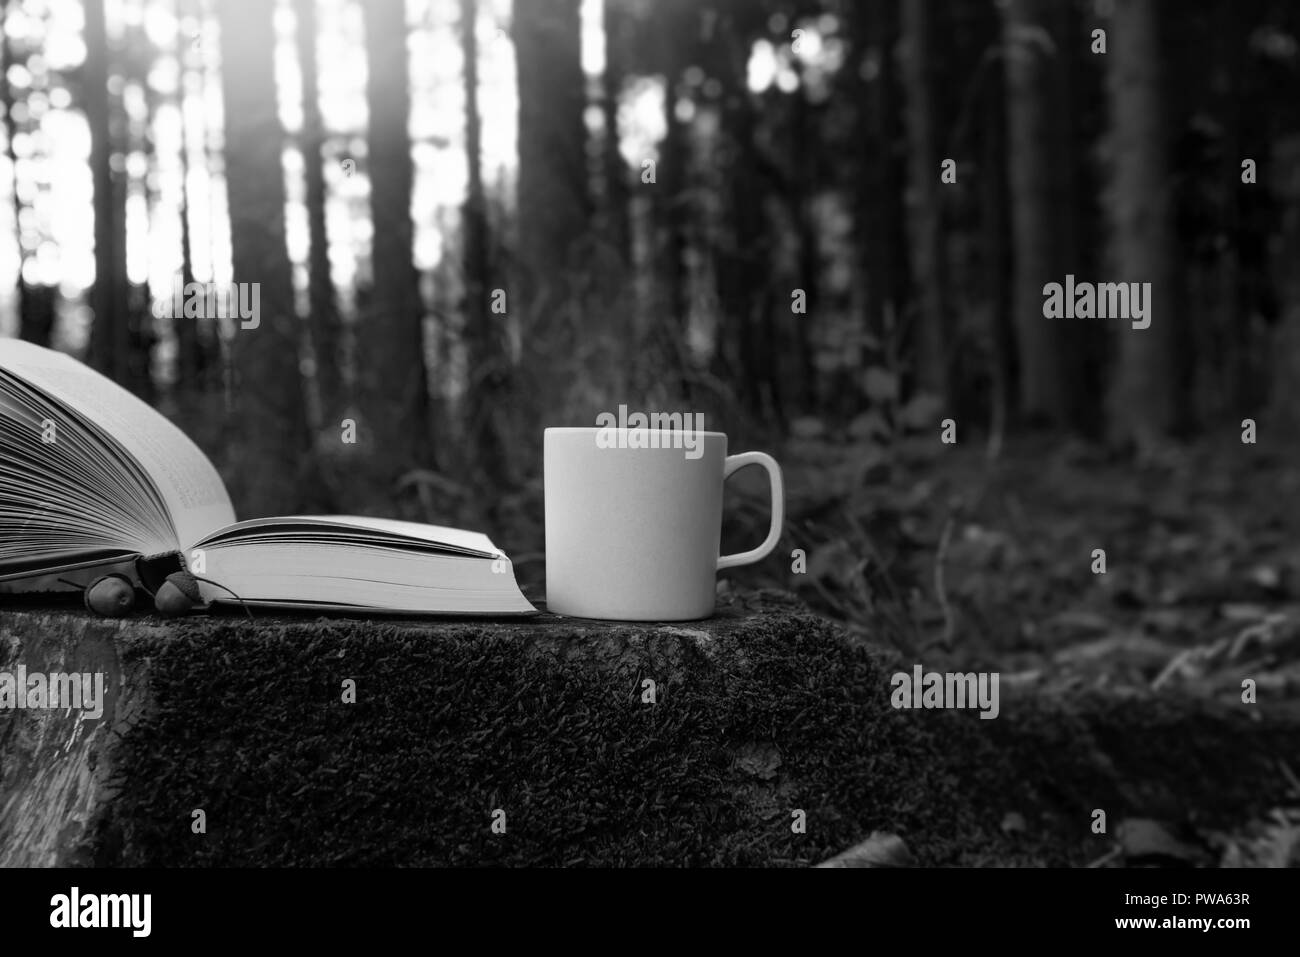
(92, 477)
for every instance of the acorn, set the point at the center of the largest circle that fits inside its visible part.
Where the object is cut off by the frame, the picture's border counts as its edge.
(178, 595)
(112, 596)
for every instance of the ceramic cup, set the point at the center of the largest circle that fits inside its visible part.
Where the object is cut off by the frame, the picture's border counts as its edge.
(634, 521)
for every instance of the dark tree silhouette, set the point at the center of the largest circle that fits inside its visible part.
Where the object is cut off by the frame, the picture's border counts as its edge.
(1032, 57)
(198, 353)
(742, 250)
(554, 205)
(110, 336)
(191, 356)
(614, 172)
(929, 273)
(325, 326)
(487, 395)
(878, 206)
(268, 429)
(392, 384)
(35, 306)
(1145, 400)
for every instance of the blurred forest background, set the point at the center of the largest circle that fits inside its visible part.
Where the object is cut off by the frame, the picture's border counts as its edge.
(470, 219)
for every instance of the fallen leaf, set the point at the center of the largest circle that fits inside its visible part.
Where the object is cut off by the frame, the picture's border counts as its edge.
(1148, 841)
(878, 850)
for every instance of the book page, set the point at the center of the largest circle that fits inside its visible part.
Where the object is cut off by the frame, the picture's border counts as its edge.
(188, 483)
(365, 577)
(327, 527)
(437, 534)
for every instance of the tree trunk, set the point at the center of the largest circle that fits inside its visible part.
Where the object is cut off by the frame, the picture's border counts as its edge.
(486, 396)
(995, 203)
(393, 427)
(879, 212)
(553, 201)
(1284, 187)
(34, 323)
(743, 252)
(1144, 403)
(615, 213)
(1080, 123)
(744, 176)
(139, 296)
(110, 334)
(198, 351)
(804, 160)
(927, 245)
(188, 359)
(324, 323)
(672, 220)
(1037, 165)
(268, 431)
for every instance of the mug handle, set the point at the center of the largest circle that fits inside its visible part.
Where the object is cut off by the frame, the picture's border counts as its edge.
(736, 462)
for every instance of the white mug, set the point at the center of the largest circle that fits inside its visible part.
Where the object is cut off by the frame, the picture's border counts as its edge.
(634, 521)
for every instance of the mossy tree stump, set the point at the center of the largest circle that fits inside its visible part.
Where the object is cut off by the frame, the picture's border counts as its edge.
(757, 714)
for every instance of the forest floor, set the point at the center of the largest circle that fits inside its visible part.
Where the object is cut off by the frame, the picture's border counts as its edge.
(998, 565)
(967, 565)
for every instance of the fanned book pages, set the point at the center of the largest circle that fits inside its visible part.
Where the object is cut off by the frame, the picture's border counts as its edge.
(91, 476)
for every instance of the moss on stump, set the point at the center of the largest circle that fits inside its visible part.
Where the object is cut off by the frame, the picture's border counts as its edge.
(759, 713)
